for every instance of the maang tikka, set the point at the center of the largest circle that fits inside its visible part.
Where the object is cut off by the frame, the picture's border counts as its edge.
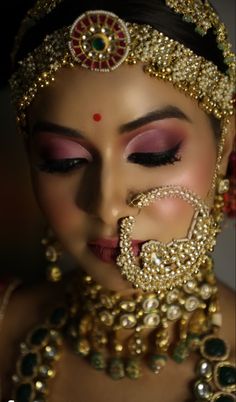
(160, 266)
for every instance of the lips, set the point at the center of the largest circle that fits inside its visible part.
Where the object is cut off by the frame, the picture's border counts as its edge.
(108, 250)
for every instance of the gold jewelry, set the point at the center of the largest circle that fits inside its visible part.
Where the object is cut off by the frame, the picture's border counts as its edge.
(165, 266)
(91, 318)
(52, 253)
(204, 17)
(163, 58)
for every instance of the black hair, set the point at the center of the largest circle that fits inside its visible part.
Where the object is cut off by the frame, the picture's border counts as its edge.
(152, 12)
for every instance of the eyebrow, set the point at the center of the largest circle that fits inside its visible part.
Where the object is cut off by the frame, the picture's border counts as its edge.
(43, 125)
(165, 113)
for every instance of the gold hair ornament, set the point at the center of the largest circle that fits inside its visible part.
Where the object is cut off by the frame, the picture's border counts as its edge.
(165, 266)
(202, 14)
(101, 41)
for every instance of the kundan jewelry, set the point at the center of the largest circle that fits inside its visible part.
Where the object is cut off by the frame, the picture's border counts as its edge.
(92, 318)
(165, 266)
(100, 41)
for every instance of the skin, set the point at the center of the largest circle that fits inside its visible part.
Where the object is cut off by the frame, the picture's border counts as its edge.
(78, 212)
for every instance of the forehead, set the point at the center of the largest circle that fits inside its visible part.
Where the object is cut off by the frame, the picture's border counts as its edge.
(123, 95)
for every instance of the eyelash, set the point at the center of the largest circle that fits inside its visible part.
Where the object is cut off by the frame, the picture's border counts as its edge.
(61, 166)
(154, 159)
(151, 159)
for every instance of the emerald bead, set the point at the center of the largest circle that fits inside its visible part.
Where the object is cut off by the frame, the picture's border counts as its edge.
(156, 362)
(180, 352)
(24, 393)
(38, 336)
(98, 44)
(215, 348)
(226, 375)
(58, 317)
(97, 360)
(132, 369)
(116, 368)
(28, 364)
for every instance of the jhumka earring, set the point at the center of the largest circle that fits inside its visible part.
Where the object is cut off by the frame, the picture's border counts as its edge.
(52, 254)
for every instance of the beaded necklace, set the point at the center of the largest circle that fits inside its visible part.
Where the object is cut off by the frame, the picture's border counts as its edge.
(92, 323)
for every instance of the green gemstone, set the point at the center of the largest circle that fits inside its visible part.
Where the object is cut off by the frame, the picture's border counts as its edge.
(58, 317)
(98, 44)
(215, 347)
(200, 31)
(116, 368)
(28, 364)
(226, 375)
(133, 369)
(98, 361)
(181, 352)
(225, 398)
(38, 336)
(24, 393)
(156, 362)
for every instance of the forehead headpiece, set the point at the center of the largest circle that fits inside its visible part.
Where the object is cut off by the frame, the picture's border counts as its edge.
(100, 41)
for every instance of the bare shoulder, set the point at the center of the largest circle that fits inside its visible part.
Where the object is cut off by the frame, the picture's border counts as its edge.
(28, 306)
(227, 298)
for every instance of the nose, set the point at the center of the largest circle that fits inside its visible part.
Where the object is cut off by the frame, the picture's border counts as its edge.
(104, 194)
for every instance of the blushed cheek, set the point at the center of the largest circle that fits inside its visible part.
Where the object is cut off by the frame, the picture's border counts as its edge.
(173, 218)
(198, 176)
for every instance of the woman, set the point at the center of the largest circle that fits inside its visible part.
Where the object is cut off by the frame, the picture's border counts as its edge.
(127, 116)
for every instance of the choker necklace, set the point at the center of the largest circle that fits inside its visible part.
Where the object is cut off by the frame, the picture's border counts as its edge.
(93, 320)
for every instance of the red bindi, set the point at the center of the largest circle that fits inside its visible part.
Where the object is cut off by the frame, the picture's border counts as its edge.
(97, 117)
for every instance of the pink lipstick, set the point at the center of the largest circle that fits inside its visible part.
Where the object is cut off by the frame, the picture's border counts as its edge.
(108, 250)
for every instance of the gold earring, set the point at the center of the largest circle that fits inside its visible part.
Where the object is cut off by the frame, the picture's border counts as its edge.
(52, 254)
(222, 187)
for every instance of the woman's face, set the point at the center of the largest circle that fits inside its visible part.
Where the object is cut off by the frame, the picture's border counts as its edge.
(96, 139)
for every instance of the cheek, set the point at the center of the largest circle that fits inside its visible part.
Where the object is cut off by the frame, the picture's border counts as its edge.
(57, 200)
(171, 218)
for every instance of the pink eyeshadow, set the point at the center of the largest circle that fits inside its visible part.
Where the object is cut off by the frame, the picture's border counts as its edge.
(154, 140)
(55, 147)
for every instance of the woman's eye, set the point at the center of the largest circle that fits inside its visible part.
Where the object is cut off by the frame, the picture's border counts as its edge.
(62, 165)
(152, 159)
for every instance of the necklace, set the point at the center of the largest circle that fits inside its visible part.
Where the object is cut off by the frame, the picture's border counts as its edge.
(92, 323)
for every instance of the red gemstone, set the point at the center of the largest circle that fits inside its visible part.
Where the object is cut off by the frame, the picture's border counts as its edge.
(102, 18)
(82, 57)
(74, 43)
(122, 43)
(121, 35)
(86, 21)
(112, 63)
(121, 51)
(88, 63)
(110, 21)
(78, 51)
(104, 64)
(116, 57)
(117, 26)
(96, 64)
(94, 18)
